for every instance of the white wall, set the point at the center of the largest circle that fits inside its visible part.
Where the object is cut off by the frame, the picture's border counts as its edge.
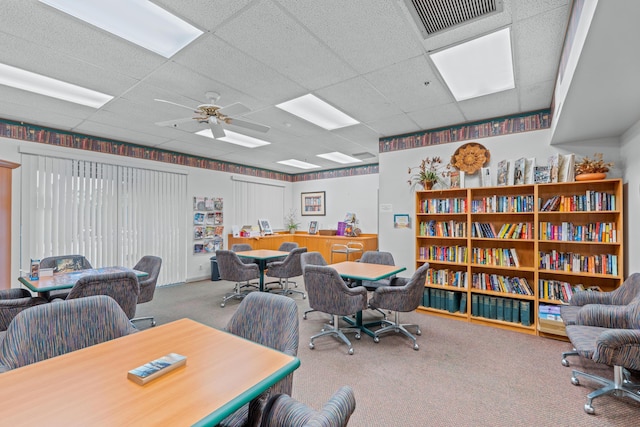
(630, 153)
(396, 194)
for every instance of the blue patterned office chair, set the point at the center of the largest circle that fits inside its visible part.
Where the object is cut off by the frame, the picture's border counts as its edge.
(73, 262)
(311, 258)
(270, 320)
(13, 301)
(49, 330)
(122, 286)
(286, 269)
(404, 295)
(233, 269)
(150, 265)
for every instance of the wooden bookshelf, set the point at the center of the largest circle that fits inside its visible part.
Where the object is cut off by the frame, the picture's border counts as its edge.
(523, 245)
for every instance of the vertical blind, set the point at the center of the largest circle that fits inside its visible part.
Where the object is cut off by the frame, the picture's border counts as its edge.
(253, 200)
(113, 215)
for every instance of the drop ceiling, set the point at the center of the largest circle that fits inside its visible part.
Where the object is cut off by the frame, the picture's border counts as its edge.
(367, 58)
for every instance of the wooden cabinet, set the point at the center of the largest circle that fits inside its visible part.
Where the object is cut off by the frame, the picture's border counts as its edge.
(497, 253)
(313, 243)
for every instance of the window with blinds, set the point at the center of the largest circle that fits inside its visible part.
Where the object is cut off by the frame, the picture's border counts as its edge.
(254, 200)
(113, 215)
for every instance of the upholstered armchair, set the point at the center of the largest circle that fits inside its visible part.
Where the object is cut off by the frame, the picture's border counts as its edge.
(151, 265)
(287, 246)
(609, 335)
(270, 320)
(286, 269)
(284, 411)
(328, 293)
(49, 330)
(623, 295)
(241, 247)
(233, 269)
(122, 286)
(404, 295)
(13, 301)
(377, 257)
(75, 262)
(311, 258)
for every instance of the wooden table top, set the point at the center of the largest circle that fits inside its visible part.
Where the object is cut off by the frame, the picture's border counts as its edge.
(262, 254)
(68, 280)
(90, 387)
(365, 271)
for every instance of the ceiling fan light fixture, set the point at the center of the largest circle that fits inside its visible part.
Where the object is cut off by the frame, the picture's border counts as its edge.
(43, 85)
(235, 138)
(298, 164)
(139, 21)
(314, 110)
(338, 157)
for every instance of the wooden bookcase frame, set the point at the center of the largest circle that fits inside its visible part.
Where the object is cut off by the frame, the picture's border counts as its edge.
(434, 208)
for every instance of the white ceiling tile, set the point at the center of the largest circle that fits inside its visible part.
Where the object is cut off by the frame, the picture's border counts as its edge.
(439, 116)
(499, 104)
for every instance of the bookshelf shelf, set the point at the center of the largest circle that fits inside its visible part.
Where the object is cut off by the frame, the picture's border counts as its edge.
(575, 227)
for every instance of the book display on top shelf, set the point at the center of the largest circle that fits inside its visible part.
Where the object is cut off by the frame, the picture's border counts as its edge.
(509, 249)
(519, 171)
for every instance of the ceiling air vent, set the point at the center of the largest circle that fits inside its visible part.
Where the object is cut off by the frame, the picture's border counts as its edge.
(436, 16)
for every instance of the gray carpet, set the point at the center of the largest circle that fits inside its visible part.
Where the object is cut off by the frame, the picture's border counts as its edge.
(463, 374)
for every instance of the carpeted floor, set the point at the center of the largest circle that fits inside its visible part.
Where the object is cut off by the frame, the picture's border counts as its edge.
(463, 374)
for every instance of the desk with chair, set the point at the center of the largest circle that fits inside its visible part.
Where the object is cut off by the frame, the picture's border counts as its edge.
(58, 281)
(90, 386)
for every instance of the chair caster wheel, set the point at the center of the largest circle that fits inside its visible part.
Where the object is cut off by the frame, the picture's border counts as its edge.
(565, 362)
(376, 339)
(350, 351)
(311, 346)
(304, 316)
(357, 336)
(589, 409)
(575, 381)
(418, 332)
(153, 323)
(416, 347)
(222, 305)
(304, 296)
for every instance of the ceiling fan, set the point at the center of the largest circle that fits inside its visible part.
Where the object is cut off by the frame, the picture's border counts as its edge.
(215, 115)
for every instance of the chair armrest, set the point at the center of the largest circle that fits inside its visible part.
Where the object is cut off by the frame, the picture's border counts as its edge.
(590, 297)
(619, 347)
(604, 316)
(398, 281)
(4, 368)
(337, 410)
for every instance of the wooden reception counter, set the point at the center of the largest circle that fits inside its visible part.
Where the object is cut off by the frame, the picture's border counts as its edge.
(313, 243)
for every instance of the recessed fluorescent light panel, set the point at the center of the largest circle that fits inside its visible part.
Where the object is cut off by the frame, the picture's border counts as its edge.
(318, 112)
(478, 67)
(235, 138)
(339, 157)
(138, 21)
(43, 85)
(298, 164)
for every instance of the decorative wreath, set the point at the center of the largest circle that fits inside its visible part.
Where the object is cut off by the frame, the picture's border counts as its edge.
(470, 157)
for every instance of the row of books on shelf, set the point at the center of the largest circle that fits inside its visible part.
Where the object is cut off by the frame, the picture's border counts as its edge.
(504, 257)
(500, 283)
(499, 308)
(435, 228)
(446, 277)
(561, 291)
(589, 202)
(503, 204)
(458, 205)
(450, 301)
(592, 232)
(444, 253)
(521, 230)
(574, 262)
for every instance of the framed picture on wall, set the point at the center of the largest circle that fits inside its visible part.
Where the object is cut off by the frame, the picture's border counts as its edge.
(313, 204)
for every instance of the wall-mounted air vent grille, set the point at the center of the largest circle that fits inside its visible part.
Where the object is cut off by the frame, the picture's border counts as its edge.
(435, 16)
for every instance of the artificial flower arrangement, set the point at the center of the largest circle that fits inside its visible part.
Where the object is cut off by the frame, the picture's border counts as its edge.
(595, 165)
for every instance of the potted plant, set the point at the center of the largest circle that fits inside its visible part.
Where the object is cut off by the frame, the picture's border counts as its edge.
(589, 169)
(430, 172)
(291, 222)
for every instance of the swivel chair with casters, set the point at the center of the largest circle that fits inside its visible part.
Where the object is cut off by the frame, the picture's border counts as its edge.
(286, 269)
(609, 335)
(377, 257)
(74, 262)
(628, 292)
(284, 247)
(270, 320)
(311, 258)
(329, 294)
(241, 247)
(404, 295)
(151, 265)
(285, 411)
(233, 269)
(13, 301)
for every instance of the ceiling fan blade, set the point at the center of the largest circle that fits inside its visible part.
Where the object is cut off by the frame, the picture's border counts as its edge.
(174, 121)
(236, 109)
(216, 129)
(248, 125)
(176, 104)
